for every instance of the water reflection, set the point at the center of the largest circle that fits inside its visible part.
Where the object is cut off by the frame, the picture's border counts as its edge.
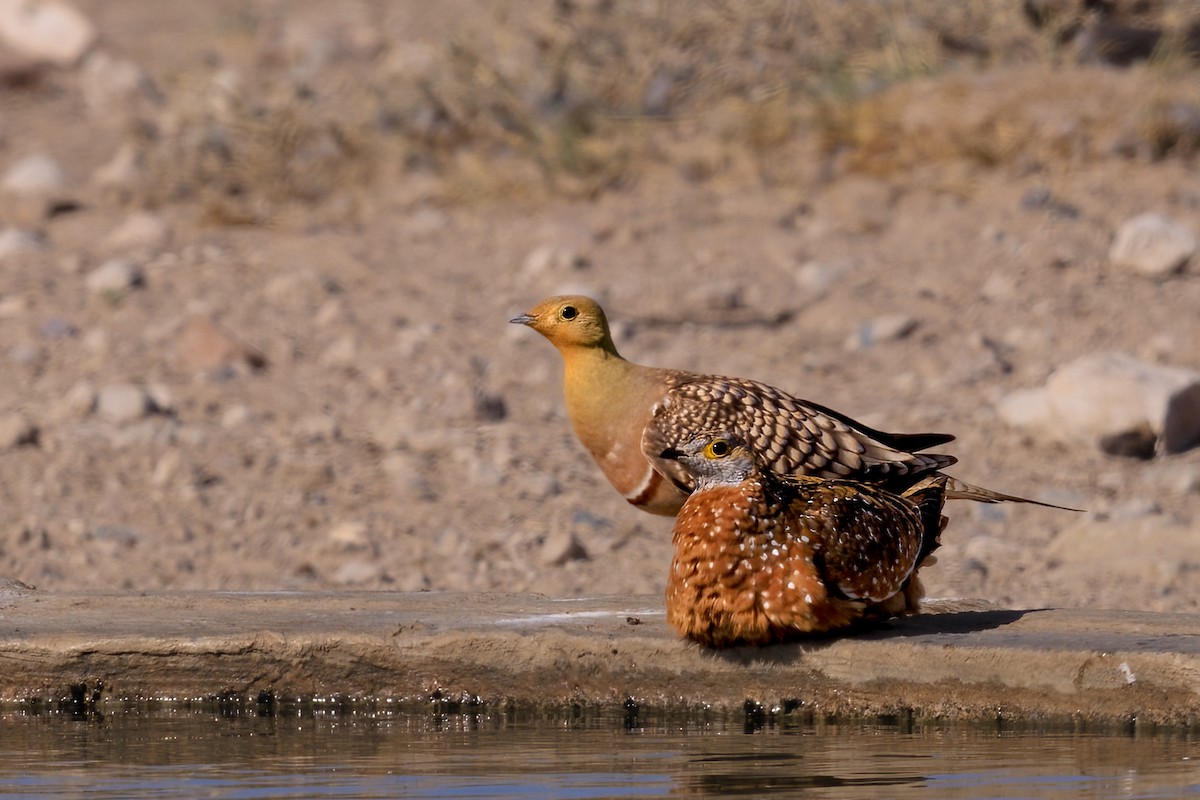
(142, 752)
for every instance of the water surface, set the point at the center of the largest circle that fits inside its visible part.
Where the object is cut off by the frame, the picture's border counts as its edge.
(142, 753)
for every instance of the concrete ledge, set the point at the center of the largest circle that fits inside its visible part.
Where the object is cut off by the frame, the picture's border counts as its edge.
(961, 660)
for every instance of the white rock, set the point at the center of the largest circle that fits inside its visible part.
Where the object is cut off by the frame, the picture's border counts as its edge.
(48, 29)
(818, 277)
(122, 402)
(235, 416)
(140, 230)
(356, 571)
(14, 242)
(114, 275)
(37, 174)
(1104, 397)
(350, 535)
(1152, 245)
(112, 84)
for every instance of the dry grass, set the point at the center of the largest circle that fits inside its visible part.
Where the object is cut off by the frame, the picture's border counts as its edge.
(575, 98)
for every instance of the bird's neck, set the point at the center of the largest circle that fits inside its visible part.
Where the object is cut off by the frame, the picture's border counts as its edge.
(590, 373)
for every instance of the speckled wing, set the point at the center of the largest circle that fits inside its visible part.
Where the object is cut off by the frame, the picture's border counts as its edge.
(788, 435)
(867, 540)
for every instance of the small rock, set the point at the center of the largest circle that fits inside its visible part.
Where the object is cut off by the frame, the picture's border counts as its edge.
(123, 402)
(17, 431)
(1152, 245)
(234, 417)
(46, 29)
(116, 534)
(78, 402)
(1000, 287)
(1039, 198)
(717, 296)
(14, 242)
(141, 230)
(818, 277)
(13, 306)
(57, 328)
(1122, 405)
(166, 468)
(356, 572)
(204, 347)
(350, 535)
(161, 399)
(113, 277)
(35, 175)
(888, 328)
(122, 171)
(561, 546)
(112, 85)
(551, 258)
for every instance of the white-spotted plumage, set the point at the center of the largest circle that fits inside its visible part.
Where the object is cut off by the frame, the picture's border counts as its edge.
(815, 554)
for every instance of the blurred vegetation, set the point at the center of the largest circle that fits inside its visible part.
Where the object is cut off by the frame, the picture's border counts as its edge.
(576, 98)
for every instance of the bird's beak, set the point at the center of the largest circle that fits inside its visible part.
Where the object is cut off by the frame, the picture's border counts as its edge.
(523, 319)
(670, 453)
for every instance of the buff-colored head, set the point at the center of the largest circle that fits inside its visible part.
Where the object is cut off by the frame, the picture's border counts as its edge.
(721, 459)
(569, 321)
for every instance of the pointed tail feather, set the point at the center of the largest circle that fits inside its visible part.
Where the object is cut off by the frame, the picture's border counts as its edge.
(961, 490)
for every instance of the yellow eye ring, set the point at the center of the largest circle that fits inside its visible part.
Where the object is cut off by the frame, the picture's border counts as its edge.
(717, 448)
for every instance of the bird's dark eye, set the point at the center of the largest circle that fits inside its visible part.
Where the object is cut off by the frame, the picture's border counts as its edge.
(569, 312)
(718, 448)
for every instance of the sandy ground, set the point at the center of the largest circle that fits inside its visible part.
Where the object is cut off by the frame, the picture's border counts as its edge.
(372, 421)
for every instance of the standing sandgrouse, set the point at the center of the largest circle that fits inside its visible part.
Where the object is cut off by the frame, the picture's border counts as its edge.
(627, 415)
(761, 558)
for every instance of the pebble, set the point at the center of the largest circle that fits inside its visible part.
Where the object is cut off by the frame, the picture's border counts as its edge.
(111, 84)
(561, 546)
(113, 277)
(888, 328)
(16, 430)
(34, 175)
(13, 306)
(123, 171)
(1152, 245)
(356, 572)
(15, 242)
(78, 402)
(51, 30)
(166, 468)
(204, 347)
(235, 416)
(123, 402)
(140, 230)
(819, 277)
(554, 258)
(350, 535)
